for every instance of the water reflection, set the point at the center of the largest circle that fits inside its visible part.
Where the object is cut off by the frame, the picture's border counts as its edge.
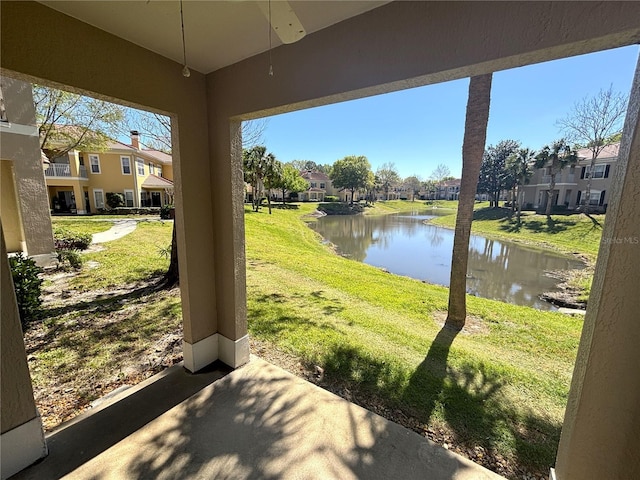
(405, 245)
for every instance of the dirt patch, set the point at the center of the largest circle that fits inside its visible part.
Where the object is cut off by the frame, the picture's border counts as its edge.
(473, 325)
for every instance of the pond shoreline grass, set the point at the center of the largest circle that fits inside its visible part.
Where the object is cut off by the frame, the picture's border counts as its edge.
(501, 388)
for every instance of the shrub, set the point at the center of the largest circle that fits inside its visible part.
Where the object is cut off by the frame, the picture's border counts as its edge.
(129, 211)
(330, 198)
(71, 258)
(27, 285)
(115, 200)
(165, 212)
(340, 208)
(66, 240)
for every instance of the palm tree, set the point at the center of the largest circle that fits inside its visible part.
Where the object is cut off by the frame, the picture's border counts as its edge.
(555, 158)
(475, 133)
(272, 175)
(258, 164)
(519, 165)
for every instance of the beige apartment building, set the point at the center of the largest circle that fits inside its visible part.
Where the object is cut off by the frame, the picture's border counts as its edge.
(571, 182)
(80, 181)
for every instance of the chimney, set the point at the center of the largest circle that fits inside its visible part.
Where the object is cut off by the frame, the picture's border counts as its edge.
(135, 139)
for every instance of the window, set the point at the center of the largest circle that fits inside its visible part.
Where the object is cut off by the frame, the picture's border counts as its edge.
(98, 196)
(599, 171)
(126, 165)
(159, 171)
(152, 169)
(322, 185)
(94, 160)
(140, 166)
(128, 198)
(594, 197)
(81, 160)
(313, 184)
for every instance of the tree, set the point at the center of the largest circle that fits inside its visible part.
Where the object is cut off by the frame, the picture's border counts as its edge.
(595, 123)
(351, 173)
(555, 157)
(272, 176)
(311, 166)
(475, 133)
(290, 181)
(414, 184)
(431, 187)
(440, 174)
(255, 162)
(388, 176)
(519, 166)
(68, 121)
(494, 178)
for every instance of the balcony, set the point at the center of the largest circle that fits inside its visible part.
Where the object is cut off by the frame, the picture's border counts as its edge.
(63, 170)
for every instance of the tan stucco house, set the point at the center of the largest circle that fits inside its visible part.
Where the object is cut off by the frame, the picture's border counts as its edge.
(23, 197)
(571, 182)
(351, 50)
(79, 181)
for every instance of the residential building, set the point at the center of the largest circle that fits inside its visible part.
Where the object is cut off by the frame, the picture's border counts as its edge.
(23, 196)
(571, 182)
(449, 189)
(320, 186)
(79, 181)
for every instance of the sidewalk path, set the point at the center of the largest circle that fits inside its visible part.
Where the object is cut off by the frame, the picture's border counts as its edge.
(120, 229)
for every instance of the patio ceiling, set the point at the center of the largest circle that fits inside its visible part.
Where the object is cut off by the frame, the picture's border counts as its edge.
(217, 34)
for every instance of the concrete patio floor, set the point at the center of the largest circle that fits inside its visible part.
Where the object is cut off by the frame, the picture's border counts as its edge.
(255, 422)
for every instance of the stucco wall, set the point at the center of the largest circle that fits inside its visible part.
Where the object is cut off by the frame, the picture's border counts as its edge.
(9, 209)
(16, 396)
(19, 143)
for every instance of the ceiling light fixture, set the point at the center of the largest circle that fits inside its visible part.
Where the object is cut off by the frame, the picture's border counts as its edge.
(185, 70)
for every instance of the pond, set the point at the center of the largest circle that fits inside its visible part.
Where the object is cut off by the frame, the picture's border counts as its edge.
(405, 244)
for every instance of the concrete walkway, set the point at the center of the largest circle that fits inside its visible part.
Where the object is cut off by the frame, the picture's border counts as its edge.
(120, 229)
(255, 422)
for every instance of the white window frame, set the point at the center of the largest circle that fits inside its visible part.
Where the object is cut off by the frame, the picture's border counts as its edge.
(128, 159)
(91, 164)
(140, 166)
(133, 201)
(159, 170)
(152, 169)
(95, 198)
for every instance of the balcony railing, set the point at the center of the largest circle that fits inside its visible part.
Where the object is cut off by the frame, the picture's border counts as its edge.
(63, 170)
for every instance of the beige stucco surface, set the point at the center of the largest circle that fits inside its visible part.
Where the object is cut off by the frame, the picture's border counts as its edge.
(16, 396)
(9, 208)
(601, 432)
(24, 151)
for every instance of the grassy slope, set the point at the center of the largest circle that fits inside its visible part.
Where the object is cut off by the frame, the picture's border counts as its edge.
(565, 233)
(80, 225)
(503, 389)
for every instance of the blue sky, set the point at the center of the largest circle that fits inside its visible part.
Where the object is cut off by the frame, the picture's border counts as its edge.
(419, 128)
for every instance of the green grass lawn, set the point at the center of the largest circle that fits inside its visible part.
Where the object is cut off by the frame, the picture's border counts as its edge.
(565, 233)
(80, 225)
(503, 388)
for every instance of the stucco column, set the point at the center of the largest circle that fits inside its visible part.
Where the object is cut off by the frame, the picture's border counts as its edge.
(22, 438)
(601, 432)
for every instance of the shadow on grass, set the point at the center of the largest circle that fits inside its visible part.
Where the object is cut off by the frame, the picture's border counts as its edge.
(468, 398)
(508, 222)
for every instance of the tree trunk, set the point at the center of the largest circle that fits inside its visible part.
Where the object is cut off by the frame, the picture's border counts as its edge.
(172, 277)
(269, 200)
(475, 134)
(586, 200)
(283, 192)
(518, 199)
(552, 187)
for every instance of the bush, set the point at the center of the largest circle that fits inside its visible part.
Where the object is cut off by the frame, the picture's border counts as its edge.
(167, 212)
(70, 258)
(115, 200)
(330, 198)
(129, 211)
(66, 240)
(340, 208)
(27, 285)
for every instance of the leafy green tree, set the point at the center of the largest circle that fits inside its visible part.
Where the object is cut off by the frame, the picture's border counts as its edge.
(555, 157)
(257, 165)
(519, 166)
(494, 178)
(310, 166)
(351, 173)
(272, 176)
(414, 184)
(67, 121)
(475, 133)
(290, 181)
(431, 188)
(594, 123)
(388, 176)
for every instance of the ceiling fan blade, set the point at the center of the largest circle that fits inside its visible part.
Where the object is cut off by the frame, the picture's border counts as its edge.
(284, 21)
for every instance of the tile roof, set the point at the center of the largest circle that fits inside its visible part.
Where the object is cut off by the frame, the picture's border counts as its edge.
(153, 181)
(308, 175)
(610, 151)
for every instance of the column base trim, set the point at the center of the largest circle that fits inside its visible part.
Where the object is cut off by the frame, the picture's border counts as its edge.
(215, 347)
(552, 474)
(21, 447)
